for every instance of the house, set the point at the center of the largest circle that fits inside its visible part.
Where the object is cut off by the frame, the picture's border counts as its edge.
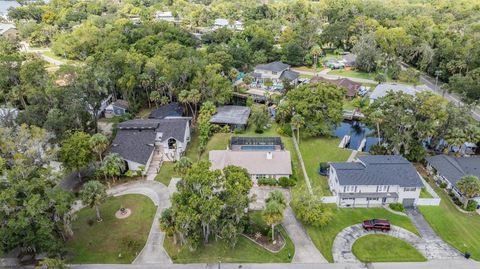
(234, 116)
(117, 108)
(140, 141)
(169, 110)
(351, 86)
(8, 30)
(382, 90)
(275, 72)
(349, 60)
(450, 170)
(375, 180)
(221, 23)
(262, 157)
(334, 64)
(167, 16)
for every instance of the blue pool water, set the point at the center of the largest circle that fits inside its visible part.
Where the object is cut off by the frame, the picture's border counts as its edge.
(357, 132)
(257, 147)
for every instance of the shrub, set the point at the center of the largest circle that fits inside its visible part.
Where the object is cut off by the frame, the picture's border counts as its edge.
(259, 131)
(472, 205)
(285, 130)
(443, 185)
(90, 222)
(238, 131)
(267, 182)
(451, 194)
(287, 182)
(397, 207)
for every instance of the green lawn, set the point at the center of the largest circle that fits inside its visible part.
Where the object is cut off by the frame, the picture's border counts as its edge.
(103, 242)
(245, 251)
(316, 150)
(352, 74)
(425, 194)
(166, 173)
(461, 230)
(384, 248)
(344, 217)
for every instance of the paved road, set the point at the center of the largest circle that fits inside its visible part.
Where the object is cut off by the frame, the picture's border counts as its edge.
(26, 48)
(446, 264)
(305, 250)
(434, 244)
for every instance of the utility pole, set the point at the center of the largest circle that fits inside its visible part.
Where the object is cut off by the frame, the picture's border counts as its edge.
(438, 73)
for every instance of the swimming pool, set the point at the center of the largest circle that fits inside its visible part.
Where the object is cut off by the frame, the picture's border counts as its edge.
(257, 148)
(357, 132)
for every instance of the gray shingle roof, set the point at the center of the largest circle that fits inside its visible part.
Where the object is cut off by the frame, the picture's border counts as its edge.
(169, 110)
(454, 168)
(135, 139)
(273, 66)
(121, 103)
(378, 170)
(290, 75)
(231, 115)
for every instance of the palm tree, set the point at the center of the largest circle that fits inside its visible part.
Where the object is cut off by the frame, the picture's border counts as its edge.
(469, 186)
(377, 118)
(155, 97)
(275, 207)
(316, 51)
(298, 122)
(113, 165)
(93, 194)
(99, 144)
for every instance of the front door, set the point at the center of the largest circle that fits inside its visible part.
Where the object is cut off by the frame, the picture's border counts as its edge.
(384, 200)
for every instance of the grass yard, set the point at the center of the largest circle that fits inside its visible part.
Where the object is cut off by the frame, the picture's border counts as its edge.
(323, 237)
(145, 112)
(352, 74)
(102, 242)
(217, 142)
(316, 150)
(245, 251)
(425, 194)
(166, 173)
(461, 230)
(384, 248)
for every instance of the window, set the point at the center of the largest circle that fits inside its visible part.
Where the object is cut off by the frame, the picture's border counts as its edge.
(172, 143)
(274, 73)
(372, 199)
(409, 189)
(349, 188)
(382, 188)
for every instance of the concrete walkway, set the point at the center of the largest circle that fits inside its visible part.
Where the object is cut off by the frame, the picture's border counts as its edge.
(434, 244)
(305, 250)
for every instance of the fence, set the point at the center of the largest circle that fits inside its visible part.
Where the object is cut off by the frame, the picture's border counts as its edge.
(429, 201)
(329, 199)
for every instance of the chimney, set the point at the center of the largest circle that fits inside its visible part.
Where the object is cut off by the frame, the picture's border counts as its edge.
(269, 155)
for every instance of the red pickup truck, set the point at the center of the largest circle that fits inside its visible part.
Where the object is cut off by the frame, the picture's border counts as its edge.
(376, 224)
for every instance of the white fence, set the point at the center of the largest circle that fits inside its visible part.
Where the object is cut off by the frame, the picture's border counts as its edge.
(329, 199)
(429, 201)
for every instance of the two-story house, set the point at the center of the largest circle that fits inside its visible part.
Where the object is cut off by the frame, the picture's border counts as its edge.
(275, 72)
(139, 142)
(375, 180)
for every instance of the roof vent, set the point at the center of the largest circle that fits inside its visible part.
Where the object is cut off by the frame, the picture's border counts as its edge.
(269, 155)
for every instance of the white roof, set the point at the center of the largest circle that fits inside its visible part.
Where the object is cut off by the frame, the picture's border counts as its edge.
(255, 162)
(382, 89)
(164, 14)
(221, 22)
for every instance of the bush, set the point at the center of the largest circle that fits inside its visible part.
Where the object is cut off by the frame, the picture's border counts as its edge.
(285, 130)
(287, 182)
(472, 205)
(267, 182)
(451, 194)
(457, 201)
(259, 131)
(90, 222)
(397, 207)
(443, 185)
(238, 131)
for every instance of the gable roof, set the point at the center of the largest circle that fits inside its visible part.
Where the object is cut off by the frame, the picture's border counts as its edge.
(382, 89)
(4, 27)
(454, 168)
(255, 162)
(378, 170)
(273, 66)
(351, 86)
(231, 115)
(290, 75)
(169, 110)
(121, 103)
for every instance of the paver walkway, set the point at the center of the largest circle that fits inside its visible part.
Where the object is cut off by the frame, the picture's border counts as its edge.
(434, 244)
(305, 250)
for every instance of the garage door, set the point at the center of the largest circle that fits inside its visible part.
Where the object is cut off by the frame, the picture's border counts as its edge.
(408, 203)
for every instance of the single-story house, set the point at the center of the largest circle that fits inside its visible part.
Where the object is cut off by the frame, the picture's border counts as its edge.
(8, 30)
(169, 110)
(351, 86)
(167, 16)
(221, 23)
(117, 108)
(234, 116)
(275, 72)
(334, 64)
(375, 180)
(382, 90)
(450, 170)
(140, 141)
(349, 59)
(263, 157)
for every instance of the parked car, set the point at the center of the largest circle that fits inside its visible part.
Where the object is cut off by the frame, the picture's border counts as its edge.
(376, 224)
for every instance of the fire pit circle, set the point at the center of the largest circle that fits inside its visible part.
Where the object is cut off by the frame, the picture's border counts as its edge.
(123, 213)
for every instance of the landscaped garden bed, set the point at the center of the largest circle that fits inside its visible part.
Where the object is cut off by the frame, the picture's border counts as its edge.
(261, 234)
